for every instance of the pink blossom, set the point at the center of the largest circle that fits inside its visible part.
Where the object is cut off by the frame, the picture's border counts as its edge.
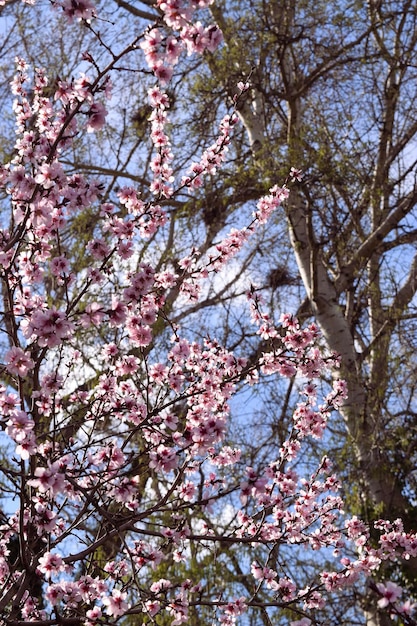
(49, 174)
(390, 592)
(125, 249)
(118, 313)
(160, 585)
(59, 266)
(162, 72)
(19, 426)
(50, 563)
(49, 326)
(227, 456)
(96, 117)
(296, 174)
(157, 98)
(78, 9)
(187, 491)
(406, 607)
(116, 604)
(158, 372)
(268, 204)
(140, 335)
(286, 588)
(98, 248)
(163, 458)
(54, 593)
(26, 447)
(92, 315)
(151, 607)
(257, 571)
(94, 614)
(236, 607)
(179, 610)
(18, 362)
(49, 479)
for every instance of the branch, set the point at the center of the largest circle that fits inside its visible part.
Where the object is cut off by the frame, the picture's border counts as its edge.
(135, 11)
(107, 171)
(367, 248)
(400, 303)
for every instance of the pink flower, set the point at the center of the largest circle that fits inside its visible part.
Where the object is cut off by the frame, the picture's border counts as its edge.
(19, 426)
(116, 603)
(141, 335)
(236, 607)
(296, 174)
(162, 72)
(98, 248)
(54, 593)
(152, 607)
(93, 315)
(49, 175)
(94, 614)
(17, 362)
(390, 592)
(50, 563)
(187, 491)
(48, 479)
(257, 571)
(27, 447)
(163, 458)
(157, 98)
(96, 117)
(59, 265)
(49, 326)
(80, 9)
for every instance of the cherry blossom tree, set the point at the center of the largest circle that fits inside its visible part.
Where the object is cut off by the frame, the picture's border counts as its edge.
(116, 418)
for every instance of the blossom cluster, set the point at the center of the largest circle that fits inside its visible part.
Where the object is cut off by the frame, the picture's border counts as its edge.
(162, 53)
(160, 164)
(78, 9)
